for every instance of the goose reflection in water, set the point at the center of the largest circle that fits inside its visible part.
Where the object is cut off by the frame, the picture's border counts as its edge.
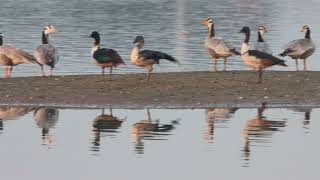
(307, 116)
(12, 113)
(258, 132)
(46, 118)
(104, 125)
(216, 117)
(150, 130)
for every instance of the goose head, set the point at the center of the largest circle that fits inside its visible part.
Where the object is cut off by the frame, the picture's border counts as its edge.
(207, 22)
(95, 35)
(245, 30)
(262, 30)
(50, 29)
(305, 28)
(139, 41)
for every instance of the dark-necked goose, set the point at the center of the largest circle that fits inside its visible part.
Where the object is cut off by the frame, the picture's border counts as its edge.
(147, 58)
(11, 56)
(300, 48)
(217, 47)
(258, 60)
(46, 54)
(104, 57)
(261, 44)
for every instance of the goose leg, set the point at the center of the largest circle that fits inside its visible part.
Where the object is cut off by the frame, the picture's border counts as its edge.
(305, 64)
(225, 64)
(215, 65)
(110, 74)
(260, 76)
(50, 72)
(10, 71)
(149, 73)
(297, 65)
(102, 71)
(7, 71)
(42, 71)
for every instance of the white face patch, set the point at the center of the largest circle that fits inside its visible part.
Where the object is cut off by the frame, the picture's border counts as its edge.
(50, 29)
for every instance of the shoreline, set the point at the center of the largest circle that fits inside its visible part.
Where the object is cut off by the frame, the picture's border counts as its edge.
(173, 90)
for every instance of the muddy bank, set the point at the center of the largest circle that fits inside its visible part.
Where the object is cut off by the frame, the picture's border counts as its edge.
(165, 90)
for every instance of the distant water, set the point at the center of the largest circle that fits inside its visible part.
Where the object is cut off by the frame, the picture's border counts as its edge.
(169, 26)
(228, 143)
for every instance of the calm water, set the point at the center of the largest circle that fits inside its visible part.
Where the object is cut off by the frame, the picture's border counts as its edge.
(170, 26)
(229, 143)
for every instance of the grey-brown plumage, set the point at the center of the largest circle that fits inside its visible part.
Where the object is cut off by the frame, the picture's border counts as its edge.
(104, 57)
(300, 48)
(11, 56)
(147, 58)
(217, 47)
(46, 54)
(258, 60)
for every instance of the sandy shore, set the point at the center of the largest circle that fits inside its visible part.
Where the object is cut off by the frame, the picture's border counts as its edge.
(165, 90)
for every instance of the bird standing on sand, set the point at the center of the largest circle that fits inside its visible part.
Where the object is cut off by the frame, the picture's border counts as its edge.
(46, 54)
(217, 47)
(147, 58)
(104, 57)
(258, 60)
(11, 56)
(261, 44)
(300, 48)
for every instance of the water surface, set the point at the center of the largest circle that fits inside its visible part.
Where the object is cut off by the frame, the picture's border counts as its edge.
(215, 143)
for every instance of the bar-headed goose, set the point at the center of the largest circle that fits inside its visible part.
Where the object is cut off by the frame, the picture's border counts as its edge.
(11, 56)
(300, 48)
(46, 54)
(258, 60)
(261, 44)
(147, 58)
(104, 57)
(217, 47)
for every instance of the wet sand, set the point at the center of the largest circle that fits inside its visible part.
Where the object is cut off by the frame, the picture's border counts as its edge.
(165, 90)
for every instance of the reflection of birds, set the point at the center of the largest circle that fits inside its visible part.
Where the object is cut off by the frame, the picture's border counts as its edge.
(259, 131)
(104, 57)
(214, 117)
(8, 113)
(258, 60)
(147, 58)
(300, 48)
(149, 130)
(11, 56)
(217, 47)
(307, 115)
(46, 118)
(104, 124)
(46, 54)
(261, 44)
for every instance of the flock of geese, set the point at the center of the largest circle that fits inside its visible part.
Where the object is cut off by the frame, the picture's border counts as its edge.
(258, 58)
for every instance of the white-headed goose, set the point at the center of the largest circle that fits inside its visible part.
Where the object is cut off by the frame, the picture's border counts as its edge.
(11, 56)
(261, 44)
(300, 48)
(104, 57)
(217, 47)
(258, 60)
(46, 54)
(147, 58)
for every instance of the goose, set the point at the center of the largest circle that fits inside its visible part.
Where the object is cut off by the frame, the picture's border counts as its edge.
(11, 56)
(46, 54)
(147, 58)
(104, 57)
(261, 44)
(300, 48)
(217, 47)
(258, 60)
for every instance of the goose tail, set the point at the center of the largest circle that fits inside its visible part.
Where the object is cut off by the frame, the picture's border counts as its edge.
(235, 52)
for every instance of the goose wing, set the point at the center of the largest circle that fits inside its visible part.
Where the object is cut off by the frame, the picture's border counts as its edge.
(46, 54)
(16, 55)
(265, 58)
(107, 56)
(155, 55)
(299, 46)
(218, 45)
